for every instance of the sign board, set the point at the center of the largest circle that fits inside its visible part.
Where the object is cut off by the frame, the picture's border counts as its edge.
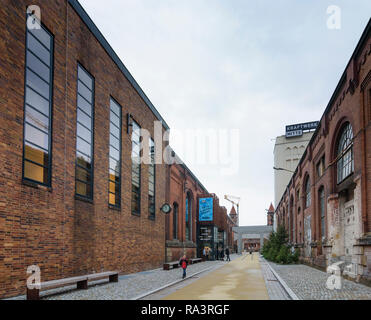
(205, 209)
(296, 130)
(205, 234)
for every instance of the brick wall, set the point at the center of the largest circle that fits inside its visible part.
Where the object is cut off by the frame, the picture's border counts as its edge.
(48, 226)
(351, 103)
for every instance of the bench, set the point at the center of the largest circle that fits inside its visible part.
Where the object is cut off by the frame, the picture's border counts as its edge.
(168, 265)
(195, 260)
(81, 283)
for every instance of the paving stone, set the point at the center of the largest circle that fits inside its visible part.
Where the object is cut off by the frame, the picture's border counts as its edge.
(310, 284)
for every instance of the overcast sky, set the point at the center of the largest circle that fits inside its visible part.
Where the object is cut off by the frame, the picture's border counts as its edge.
(255, 66)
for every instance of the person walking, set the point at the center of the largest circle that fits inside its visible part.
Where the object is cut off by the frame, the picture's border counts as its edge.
(227, 254)
(184, 264)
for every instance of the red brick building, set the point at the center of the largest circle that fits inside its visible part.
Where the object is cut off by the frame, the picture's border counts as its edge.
(327, 205)
(75, 199)
(181, 223)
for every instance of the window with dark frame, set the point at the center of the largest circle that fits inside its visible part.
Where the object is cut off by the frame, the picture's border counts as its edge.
(114, 180)
(135, 169)
(345, 160)
(307, 193)
(321, 167)
(188, 214)
(322, 211)
(175, 221)
(38, 106)
(152, 180)
(84, 133)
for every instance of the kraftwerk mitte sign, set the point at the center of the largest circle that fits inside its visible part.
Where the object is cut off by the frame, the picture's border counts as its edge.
(296, 130)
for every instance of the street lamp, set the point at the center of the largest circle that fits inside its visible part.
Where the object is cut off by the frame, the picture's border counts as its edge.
(282, 169)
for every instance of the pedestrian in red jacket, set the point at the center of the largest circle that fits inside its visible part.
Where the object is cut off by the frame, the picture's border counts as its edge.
(184, 263)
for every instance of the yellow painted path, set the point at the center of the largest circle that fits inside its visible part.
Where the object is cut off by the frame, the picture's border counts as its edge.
(241, 279)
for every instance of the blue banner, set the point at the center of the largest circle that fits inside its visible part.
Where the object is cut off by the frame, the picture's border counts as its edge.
(206, 209)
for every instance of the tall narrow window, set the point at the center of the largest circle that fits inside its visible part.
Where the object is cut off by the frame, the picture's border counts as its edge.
(307, 193)
(135, 169)
(38, 106)
(188, 212)
(84, 135)
(322, 211)
(114, 191)
(345, 162)
(152, 180)
(175, 221)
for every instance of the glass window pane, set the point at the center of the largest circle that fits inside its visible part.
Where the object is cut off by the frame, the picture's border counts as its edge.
(36, 155)
(136, 149)
(114, 119)
(85, 92)
(37, 84)
(114, 176)
(38, 67)
(42, 36)
(37, 119)
(114, 153)
(83, 189)
(115, 131)
(37, 137)
(83, 119)
(83, 133)
(37, 101)
(115, 108)
(84, 105)
(112, 199)
(83, 161)
(83, 147)
(35, 172)
(114, 142)
(83, 175)
(112, 187)
(85, 78)
(36, 47)
(114, 165)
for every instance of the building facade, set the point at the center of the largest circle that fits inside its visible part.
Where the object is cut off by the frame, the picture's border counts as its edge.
(75, 197)
(326, 207)
(287, 154)
(181, 223)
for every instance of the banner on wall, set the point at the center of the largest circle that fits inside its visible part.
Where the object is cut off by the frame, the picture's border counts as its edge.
(206, 209)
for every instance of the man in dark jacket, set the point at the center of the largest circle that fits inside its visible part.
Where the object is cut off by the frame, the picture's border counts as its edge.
(227, 254)
(184, 263)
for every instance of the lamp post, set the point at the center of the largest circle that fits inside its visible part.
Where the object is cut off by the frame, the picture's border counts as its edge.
(283, 169)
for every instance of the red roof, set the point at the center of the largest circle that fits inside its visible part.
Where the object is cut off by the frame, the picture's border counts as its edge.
(233, 211)
(271, 208)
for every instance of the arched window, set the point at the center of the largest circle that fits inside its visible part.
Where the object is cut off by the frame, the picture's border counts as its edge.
(345, 161)
(188, 209)
(307, 193)
(175, 221)
(321, 197)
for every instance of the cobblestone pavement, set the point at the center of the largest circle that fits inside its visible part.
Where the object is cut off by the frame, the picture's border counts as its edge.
(275, 289)
(128, 287)
(310, 284)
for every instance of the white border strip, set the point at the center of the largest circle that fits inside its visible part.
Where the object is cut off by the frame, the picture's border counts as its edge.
(169, 284)
(291, 293)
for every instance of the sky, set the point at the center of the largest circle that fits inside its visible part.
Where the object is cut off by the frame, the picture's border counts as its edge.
(245, 66)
